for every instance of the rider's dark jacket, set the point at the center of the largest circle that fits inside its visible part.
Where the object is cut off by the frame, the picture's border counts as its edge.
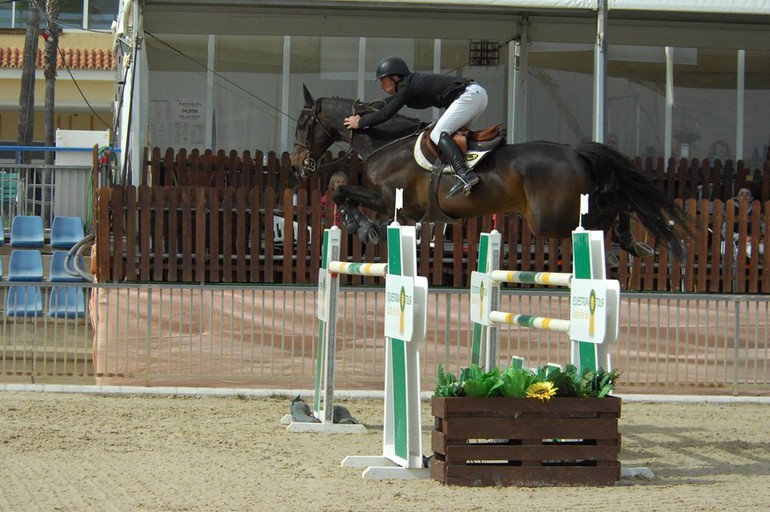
(418, 91)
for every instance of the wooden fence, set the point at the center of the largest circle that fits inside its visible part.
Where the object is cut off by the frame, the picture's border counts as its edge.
(229, 218)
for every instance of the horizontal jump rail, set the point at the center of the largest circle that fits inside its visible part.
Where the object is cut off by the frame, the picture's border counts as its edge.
(518, 276)
(359, 269)
(535, 322)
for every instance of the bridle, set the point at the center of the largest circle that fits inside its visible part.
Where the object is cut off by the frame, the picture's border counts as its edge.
(310, 164)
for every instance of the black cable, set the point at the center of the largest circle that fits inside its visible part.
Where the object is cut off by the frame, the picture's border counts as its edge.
(80, 90)
(220, 76)
(49, 22)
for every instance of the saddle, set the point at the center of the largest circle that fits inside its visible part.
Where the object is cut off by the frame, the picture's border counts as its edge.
(473, 145)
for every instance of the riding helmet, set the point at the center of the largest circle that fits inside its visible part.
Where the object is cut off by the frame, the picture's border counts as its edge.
(392, 66)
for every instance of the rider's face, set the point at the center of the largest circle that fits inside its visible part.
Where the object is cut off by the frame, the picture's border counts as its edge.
(388, 85)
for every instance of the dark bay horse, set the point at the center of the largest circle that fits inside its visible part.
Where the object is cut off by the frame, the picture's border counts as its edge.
(540, 180)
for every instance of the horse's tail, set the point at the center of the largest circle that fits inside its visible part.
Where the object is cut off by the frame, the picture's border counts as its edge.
(621, 185)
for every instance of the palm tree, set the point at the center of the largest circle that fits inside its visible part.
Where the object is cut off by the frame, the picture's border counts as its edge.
(27, 95)
(49, 70)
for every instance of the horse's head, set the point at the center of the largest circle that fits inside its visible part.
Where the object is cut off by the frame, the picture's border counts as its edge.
(315, 132)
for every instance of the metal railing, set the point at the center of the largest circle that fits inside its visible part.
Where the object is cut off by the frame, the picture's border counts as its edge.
(46, 191)
(266, 337)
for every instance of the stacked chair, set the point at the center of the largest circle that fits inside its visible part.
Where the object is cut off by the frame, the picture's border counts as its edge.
(65, 301)
(25, 265)
(24, 298)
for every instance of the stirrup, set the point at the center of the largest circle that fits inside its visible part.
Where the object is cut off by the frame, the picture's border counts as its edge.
(464, 182)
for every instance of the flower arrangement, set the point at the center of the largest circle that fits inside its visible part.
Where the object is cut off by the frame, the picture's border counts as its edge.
(543, 383)
(687, 135)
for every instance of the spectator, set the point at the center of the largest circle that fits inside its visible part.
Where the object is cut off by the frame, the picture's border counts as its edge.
(719, 151)
(744, 195)
(336, 180)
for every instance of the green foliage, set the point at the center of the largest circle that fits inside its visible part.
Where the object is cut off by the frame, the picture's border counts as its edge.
(446, 384)
(514, 382)
(478, 383)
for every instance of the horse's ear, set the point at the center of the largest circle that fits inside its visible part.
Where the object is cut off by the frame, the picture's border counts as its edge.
(308, 97)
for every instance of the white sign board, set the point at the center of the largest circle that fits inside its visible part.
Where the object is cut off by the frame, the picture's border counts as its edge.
(399, 307)
(588, 310)
(481, 287)
(324, 294)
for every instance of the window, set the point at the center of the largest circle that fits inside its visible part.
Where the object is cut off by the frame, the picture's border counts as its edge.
(71, 14)
(101, 13)
(560, 92)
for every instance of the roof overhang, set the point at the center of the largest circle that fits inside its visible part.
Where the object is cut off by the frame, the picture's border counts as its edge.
(667, 23)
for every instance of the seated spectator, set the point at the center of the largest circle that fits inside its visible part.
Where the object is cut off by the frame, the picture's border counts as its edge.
(744, 195)
(335, 181)
(720, 151)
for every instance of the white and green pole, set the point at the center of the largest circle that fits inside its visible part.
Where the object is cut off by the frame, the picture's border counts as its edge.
(406, 301)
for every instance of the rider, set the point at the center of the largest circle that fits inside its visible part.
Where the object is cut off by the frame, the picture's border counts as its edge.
(463, 99)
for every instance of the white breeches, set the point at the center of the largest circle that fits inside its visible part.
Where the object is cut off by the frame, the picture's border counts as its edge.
(462, 112)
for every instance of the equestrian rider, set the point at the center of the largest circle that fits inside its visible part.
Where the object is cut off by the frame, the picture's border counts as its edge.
(463, 99)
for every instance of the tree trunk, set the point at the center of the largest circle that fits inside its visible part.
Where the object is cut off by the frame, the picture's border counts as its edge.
(27, 95)
(49, 70)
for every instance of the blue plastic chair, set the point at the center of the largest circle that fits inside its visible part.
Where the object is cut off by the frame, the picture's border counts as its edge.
(27, 231)
(64, 301)
(66, 232)
(59, 272)
(25, 265)
(24, 301)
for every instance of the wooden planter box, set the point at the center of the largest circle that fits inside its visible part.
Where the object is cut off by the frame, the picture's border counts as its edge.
(526, 442)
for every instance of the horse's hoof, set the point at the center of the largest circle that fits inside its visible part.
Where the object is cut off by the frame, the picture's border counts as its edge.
(611, 258)
(368, 233)
(642, 250)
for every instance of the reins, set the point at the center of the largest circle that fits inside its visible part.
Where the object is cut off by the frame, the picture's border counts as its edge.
(310, 165)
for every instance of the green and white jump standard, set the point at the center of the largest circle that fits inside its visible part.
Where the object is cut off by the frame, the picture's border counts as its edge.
(328, 313)
(406, 303)
(594, 301)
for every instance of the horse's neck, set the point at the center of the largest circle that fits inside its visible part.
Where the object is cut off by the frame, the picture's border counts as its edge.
(367, 145)
(371, 140)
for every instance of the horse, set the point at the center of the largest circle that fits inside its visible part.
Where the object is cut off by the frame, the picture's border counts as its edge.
(540, 180)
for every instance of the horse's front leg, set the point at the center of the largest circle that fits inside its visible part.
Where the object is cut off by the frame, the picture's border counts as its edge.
(348, 198)
(360, 196)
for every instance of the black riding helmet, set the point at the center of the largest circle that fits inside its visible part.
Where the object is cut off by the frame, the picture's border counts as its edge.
(392, 66)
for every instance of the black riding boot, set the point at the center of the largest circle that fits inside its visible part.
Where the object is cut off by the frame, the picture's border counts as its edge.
(465, 177)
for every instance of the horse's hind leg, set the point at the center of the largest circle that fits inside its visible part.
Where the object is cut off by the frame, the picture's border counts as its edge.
(627, 241)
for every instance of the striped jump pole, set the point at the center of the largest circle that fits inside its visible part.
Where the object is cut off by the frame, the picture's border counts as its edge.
(534, 322)
(544, 278)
